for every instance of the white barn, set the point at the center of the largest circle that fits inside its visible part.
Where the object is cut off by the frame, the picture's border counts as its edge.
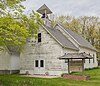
(40, 56)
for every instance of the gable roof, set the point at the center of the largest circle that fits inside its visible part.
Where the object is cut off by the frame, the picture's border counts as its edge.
(44, 8)
(58, 36)
(14, 50)
(78, 38)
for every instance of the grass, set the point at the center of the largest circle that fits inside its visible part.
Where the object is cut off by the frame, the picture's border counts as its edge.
(17, 80)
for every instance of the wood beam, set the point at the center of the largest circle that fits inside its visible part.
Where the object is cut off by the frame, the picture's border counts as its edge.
(82, 67)
(68, 67)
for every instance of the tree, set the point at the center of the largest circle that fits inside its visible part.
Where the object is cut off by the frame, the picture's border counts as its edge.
(13, 6)
(16, 27)
(89, 26)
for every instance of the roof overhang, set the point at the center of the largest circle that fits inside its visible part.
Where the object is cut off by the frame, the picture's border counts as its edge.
(44, 9)
(76, 56)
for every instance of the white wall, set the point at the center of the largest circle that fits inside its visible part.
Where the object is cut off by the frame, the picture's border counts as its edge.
(8, 61)
(91, 64)
(15, 62)
(4, 60)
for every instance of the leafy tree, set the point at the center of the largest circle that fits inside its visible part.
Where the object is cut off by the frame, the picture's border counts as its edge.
(16, 27)
(89, 25)
(13, 6)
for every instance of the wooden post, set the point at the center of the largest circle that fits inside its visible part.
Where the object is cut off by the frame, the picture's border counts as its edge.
(82, 67)
(68, 67)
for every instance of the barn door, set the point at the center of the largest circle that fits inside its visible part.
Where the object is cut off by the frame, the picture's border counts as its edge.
(39, 67)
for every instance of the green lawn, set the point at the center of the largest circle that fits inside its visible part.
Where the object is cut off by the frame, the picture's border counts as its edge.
(16, 80)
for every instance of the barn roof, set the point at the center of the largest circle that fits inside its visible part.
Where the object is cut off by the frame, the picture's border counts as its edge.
(65, 42)
(78, 38)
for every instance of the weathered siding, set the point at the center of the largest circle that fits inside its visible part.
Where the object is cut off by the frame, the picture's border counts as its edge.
(8, 63)
(4, 60)
(15, 62)
(91, 52)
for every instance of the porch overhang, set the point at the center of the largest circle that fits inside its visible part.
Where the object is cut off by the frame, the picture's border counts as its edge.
(80, 56)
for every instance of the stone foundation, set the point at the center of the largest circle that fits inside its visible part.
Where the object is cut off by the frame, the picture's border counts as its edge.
(75, 77)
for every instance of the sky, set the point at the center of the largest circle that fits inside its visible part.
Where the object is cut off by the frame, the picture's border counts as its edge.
(66, 7)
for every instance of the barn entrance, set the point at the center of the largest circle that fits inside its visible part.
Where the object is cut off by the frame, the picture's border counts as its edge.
(39, 66)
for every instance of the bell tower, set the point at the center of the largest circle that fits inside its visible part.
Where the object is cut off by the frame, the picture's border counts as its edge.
(44, 11)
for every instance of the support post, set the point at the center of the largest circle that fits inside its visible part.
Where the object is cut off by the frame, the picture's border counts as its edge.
(68, 67)
(82, 67)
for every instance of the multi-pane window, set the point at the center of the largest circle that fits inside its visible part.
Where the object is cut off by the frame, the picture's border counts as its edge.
(39, 37)
(39, 63)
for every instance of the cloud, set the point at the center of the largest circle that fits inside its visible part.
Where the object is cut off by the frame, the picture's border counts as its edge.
(64, 7)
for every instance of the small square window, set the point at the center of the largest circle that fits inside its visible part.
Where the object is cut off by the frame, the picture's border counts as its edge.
(93, 58)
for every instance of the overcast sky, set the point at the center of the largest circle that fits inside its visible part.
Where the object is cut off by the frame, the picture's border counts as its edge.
(66, 7)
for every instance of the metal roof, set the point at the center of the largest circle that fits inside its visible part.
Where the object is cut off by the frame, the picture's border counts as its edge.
(44, 8)
(81, 41)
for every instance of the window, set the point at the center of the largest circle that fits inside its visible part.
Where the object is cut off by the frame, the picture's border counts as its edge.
(36, 63)
(41, 63)
(39, 37)
(93, 58)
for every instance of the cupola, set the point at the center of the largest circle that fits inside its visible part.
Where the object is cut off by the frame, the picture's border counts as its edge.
(44, 11)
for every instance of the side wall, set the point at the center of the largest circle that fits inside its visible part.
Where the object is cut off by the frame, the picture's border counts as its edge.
(4, 60)
(15, 62)
(91, 63)
(8, 63)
